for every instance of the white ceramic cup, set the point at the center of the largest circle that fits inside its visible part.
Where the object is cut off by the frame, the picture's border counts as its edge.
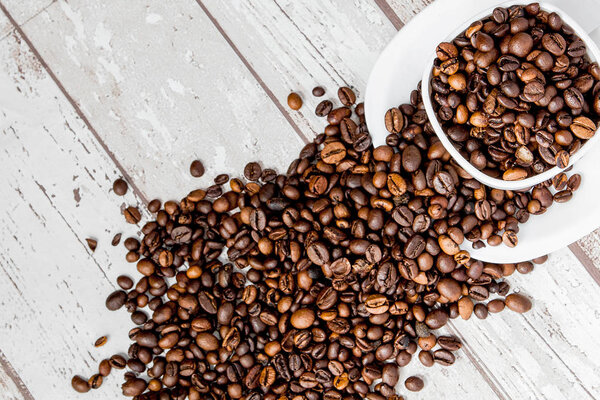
(398, 70)
(487, 180)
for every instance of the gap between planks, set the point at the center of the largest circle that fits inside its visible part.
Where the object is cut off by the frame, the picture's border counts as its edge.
(8, 369)
(253, 72)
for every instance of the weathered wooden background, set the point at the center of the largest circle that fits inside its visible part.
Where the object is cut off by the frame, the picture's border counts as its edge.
(90, 91)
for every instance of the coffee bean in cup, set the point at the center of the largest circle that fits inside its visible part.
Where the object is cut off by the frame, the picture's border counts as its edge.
(516, 92)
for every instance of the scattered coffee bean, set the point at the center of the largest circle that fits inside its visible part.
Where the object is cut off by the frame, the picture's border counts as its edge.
(346, 96)
(125, 282)
(92, 244)
(101, 341)
(132, 215)
(323, 108)
(116, 240)
(196, 169)
(120, 187)
(318, 91)
(414, 384)
(517, 303)
(80, 385)
(321, 280)
(294, 101)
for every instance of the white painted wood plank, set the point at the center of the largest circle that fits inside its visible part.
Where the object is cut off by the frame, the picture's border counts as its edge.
(23, 11)
(56, 183)
(547, 352)
(590, 245)
(162, 88)
(406, 9)
(296, 45)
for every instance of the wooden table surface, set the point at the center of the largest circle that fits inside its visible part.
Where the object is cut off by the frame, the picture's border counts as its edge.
(93, 90)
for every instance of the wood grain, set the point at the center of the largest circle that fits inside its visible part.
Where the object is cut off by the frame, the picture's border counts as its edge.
(296, 45)
(156, 97)
(11, 385)
(587, 250)
(56, 181)
(406, 9)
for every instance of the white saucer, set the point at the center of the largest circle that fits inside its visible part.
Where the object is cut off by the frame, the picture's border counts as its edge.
(399, 69)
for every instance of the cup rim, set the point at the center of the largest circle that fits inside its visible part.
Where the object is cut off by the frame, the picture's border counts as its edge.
(593, 53)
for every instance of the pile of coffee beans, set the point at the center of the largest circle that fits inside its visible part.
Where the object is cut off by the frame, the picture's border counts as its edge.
(516, 92)
(321, 283)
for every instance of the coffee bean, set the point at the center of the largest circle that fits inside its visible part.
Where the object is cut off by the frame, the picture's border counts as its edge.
(120, 187)
(252, 171)
(414, 384)
(196, 169)
(574, 182)
(116, 300)
(555, 43)
(117, 362)
(520, 44)
(444, 357)
(509, 238)
(436, 319)
(318, 91)
(132, 215)
(562, 159)
(333, 153)
(449, 343)
(134, 387)
(318, 253)
(583, 128)
(294, 101)
(560, 181)
(95, 381)
(481, 311)
(101, 341)
(125, 282)
(394, 120)
(92, 244)
(104, 368)
(346, 96)
(573, 98)
(563, 196)
(324, 108)
(79, 384)
(302, 318)
(518, 303)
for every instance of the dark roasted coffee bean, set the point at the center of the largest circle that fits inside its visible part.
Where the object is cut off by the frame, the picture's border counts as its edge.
(196, 169)
(132, 215)
(414, 384)
(120, 187)
(80, 385)
(116, 300)
(318, 91)
(394, 120)
(518, 303)
(574, 182)
(346, 96)
(444, 357)
(323, 108)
